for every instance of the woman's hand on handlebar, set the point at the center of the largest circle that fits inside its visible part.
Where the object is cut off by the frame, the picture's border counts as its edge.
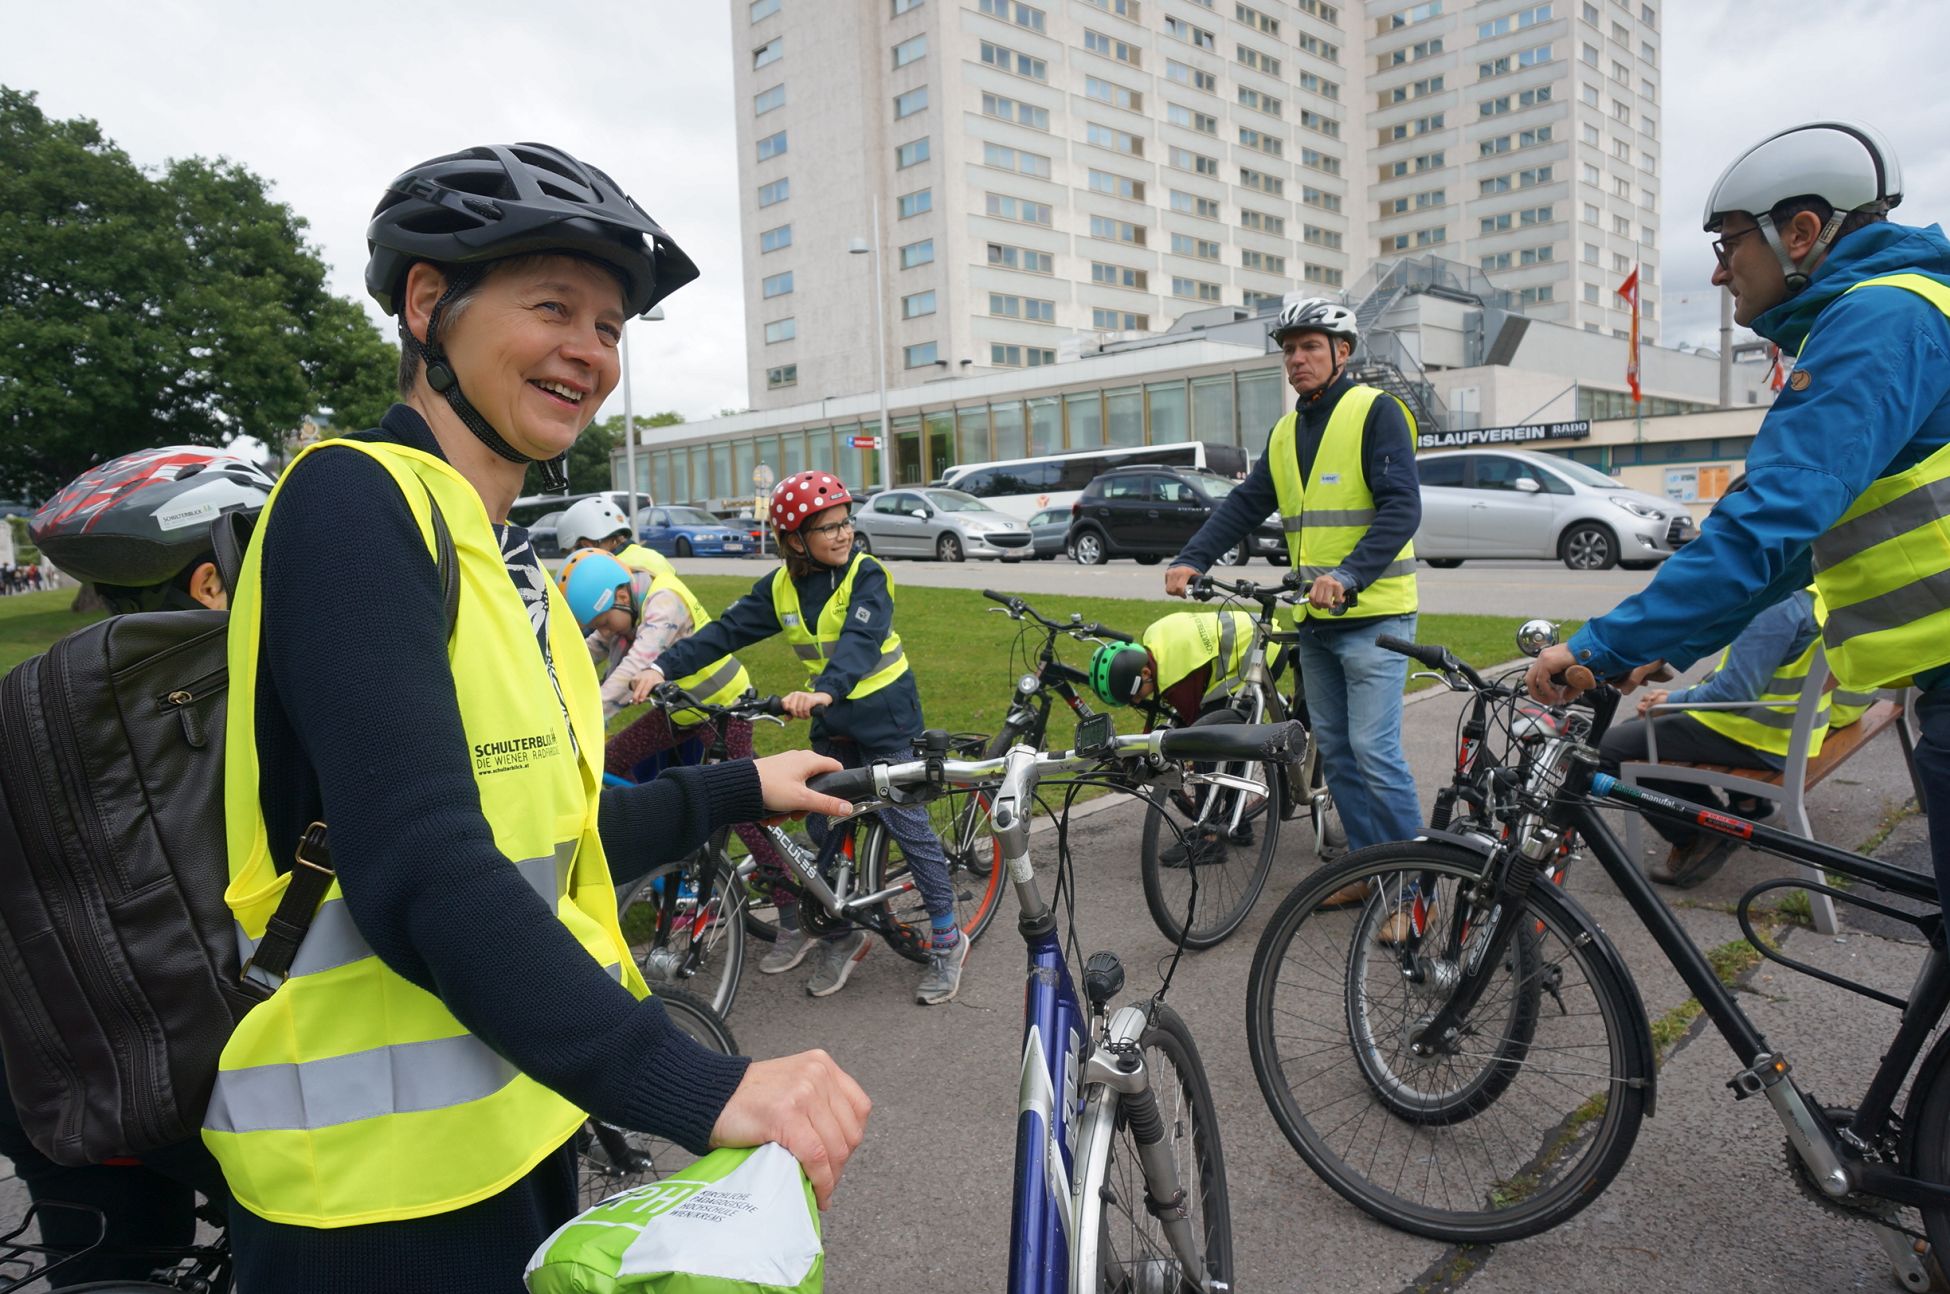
(1178, 579)
(800, 705)
(644, 684)
(782, 784)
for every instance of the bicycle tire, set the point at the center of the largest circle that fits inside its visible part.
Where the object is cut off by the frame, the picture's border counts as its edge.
(1228, 884)
(1532, 1154)
(1133, 1254)
(1926, 1136)
(977, 895)
(685, 926)
(646, 1156)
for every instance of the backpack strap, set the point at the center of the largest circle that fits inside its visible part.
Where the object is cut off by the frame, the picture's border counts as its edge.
(312, 874)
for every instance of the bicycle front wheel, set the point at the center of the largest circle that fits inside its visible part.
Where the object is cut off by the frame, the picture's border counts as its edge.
(612, 1159)
(1133, 1252)
(1502, 1131)
(685, 926)
(1204, 856)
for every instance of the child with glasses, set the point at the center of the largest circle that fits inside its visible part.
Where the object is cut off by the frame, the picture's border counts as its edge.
(836, 608)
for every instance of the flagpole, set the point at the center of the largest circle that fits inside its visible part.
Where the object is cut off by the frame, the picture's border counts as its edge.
(1638, 296)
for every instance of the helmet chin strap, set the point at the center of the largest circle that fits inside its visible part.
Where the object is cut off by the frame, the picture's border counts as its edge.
(440, 376)
(1797, 276)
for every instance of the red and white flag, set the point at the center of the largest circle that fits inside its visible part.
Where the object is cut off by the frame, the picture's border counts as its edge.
(1777, 375)
(1629, 289)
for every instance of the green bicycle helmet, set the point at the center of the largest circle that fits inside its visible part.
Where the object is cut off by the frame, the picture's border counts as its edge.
(1116, 670)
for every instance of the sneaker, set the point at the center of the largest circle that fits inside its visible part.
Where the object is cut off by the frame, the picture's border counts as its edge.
(1693, 862)
(1347, 896)
(1196, 851)
(836, 960)
(943, 978)
(788, 950)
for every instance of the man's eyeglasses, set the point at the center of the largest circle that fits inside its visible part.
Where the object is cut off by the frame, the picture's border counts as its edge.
(837, 527)
(1723, 246)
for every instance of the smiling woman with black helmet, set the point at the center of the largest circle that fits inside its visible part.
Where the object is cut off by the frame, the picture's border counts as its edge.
(399, 1113)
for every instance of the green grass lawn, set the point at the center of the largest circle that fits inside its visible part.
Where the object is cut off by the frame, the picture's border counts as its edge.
(961, 653)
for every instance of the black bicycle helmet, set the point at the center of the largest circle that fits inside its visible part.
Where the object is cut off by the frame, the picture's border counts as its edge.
(140, 519)
(489, 203)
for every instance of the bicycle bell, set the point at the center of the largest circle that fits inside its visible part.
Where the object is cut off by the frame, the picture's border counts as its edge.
(1535, 636)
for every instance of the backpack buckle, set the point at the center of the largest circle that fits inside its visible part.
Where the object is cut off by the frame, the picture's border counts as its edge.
(311, 875)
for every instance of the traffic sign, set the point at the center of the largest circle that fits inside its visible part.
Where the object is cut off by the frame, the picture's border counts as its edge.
(866, 442)
(762, 477)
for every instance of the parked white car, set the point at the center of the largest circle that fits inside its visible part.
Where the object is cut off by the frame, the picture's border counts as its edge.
(1516, 503)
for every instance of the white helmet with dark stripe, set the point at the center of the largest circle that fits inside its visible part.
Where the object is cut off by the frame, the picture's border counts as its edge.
(1316, 314)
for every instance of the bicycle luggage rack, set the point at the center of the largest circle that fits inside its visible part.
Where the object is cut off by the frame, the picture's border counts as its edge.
(1929, 924)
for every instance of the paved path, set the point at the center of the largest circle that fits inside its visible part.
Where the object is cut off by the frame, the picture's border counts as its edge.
(1505, 588)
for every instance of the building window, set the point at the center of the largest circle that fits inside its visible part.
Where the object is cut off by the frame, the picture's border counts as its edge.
(1184, 75)
(1260, 181)
(1009, 355)
(1331, 239)
(1510, 22)
(1194, 289)
(919, 356)
(1513, 62)
(783, 375)
(921, 253)
(1261, 141)
(771, 146)
(916, 304)
(1250, 219)
(1004, 207)
(781, 330)
(1098, 43)
(1323, 274)
(1589, 55)
(1622, 226)
(1591, 294)
(1254, 18)
(1256, 60)
(903, 6)
(1026, 259)
(911, 50)
(1118, 141)
(1119, 276)
(1320, 161)
(1319, 48)
(912, 153)
(1539, 295)
(1023, 114)
(770, 52)
(776, 285)
(1119, 321)
(1014, 11)
(1004, 306)
(906, 105)
(1191, 119)
(1121, 231)
(1122, 8)
(763, 9)
(1261, 102)
(1017, 64)
(1204, 249)
(1322, 198)
(777, 191)
(773, 240)
(1021, 161)
(1115, 95)
(1192, 204)
(913, 204)
(766, 100)
(1196, 37)
(1185, 159)
(1117, 186)
(1257, 260)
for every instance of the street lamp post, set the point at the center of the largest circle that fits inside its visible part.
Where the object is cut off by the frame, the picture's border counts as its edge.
(629, 419)
(859, 247)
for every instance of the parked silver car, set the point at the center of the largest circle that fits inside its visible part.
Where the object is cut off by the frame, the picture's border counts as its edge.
(1047, 531)
(1518, 503)
(939, 523)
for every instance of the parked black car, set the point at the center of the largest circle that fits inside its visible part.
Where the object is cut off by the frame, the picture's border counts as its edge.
(1149, 513)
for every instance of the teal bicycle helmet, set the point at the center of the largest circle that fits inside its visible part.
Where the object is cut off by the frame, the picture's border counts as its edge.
(1116, 670)
(589, 582)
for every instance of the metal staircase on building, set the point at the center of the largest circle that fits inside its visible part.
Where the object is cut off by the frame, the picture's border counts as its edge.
(1383, 361)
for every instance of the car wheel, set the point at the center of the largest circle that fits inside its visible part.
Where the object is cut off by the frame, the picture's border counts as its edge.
(1279, 559)
(1045, 557)
(1444, 563)
(1237, 555)
(948, 548)
(1088, 549)
(1588, 546)
(1148, 559)
(1636, 566)
(683, 546)
(861, 543)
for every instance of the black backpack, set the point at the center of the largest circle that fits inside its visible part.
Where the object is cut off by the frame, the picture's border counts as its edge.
(120, 977)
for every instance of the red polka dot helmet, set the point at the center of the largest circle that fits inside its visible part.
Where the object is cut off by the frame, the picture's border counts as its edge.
(803, 494)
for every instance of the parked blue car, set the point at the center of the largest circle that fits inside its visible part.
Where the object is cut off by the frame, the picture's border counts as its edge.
(687, 532)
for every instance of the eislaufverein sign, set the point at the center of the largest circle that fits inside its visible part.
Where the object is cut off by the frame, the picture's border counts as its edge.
(1578, 430)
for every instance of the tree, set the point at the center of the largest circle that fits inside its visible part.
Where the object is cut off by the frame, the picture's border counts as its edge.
(589, 461)
(138, 310)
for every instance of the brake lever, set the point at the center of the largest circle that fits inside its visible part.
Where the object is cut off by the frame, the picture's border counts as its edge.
(1231, 781)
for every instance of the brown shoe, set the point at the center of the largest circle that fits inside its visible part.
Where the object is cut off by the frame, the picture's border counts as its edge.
(1693, 862)
(1347, 896)
(1400, 928)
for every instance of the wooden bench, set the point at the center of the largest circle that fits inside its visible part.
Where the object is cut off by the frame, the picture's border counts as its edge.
(1789, 786)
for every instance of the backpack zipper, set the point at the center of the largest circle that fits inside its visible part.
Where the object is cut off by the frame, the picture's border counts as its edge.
(181, 700)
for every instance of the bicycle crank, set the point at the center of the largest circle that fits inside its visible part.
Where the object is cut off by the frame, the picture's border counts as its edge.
(1907, 1249)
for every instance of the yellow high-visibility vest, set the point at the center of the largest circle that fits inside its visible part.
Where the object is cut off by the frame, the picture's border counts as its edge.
(351, 1095)
(1884, 568)
(1185, 640)
(721, 682)
(1326, 517)
(638, 558)
(810, 645)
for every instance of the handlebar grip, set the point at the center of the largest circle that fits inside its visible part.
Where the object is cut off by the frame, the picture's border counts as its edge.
(1424, 653)
(850, 784)
(772, 705)
(1580, 678)
(1102, 631)
(1223, 741)
(993, 596)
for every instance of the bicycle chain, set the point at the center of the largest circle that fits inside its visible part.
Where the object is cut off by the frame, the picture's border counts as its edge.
(1879, 1214)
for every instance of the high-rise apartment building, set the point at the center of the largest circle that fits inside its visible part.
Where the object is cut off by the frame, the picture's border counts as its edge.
(1063, 167)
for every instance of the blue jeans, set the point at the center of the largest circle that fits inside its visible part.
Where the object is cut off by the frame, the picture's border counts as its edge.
(1354, 697)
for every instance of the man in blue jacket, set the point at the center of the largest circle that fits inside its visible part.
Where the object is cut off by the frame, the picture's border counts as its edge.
(1849, 478)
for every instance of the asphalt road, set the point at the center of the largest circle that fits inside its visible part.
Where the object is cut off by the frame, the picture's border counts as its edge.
(1547, 589)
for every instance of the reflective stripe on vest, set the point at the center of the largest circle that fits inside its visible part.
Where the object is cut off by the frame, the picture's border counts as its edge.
(1883, 568)
(810, 645)
(1325, 518)
(722, 681)
(1770, 730)
(352, 1095)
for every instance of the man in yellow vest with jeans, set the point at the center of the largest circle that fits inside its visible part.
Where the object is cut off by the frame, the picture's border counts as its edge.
(1340, 470)
(1849, 478)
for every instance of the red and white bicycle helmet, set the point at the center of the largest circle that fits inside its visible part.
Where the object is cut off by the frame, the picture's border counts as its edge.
(139, 519)
(803, 494)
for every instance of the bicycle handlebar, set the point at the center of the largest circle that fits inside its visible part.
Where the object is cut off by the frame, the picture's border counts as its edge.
(1078, 628)
(1289, 590)
(1217, 742)
(668, 696)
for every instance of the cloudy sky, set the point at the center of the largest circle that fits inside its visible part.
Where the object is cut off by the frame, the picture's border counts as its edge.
(328, 101)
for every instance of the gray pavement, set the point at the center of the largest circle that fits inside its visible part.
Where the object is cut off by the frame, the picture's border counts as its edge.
(1501, 588)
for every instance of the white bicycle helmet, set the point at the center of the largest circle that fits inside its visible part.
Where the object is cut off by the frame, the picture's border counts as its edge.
(595, 519)
(1848, 165)
(1317, 314)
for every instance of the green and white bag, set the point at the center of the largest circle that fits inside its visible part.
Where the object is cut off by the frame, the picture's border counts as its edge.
(735, 1222)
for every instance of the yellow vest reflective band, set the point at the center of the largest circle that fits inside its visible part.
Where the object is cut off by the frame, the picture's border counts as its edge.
(1185, 640)
(811, 645)
(1844, 706)
(1770, 729)
(721, 682)
(636, 557)
(351, 1095)
(1325, 518)
(1884, 567)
